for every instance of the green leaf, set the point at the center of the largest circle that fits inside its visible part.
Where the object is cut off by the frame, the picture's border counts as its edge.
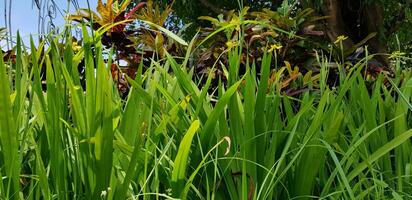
(181, 160)
(8, 136)
(167, 32)
(380, 152)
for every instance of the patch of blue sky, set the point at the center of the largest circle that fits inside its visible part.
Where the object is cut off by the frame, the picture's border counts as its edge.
(26, 17)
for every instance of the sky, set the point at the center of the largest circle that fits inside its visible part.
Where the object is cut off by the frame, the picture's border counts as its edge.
(25, 15)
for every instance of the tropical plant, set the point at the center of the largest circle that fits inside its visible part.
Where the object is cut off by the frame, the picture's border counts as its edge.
(151, 39)
(172, 139)
(132, 44)
(271, 127)
(109, 14)
(293, 39)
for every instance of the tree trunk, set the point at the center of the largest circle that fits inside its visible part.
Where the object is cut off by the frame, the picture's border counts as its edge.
(356, 19)
(374, 23)
(335, 25)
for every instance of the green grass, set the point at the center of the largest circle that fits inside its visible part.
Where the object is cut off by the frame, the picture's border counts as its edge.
(170, 139)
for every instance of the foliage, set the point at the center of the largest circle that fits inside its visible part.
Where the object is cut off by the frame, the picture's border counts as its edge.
(360, 17)
(398, 19)
(188, 12)
(295, 41)
(152, 39)
(108, 14)
(172, 139)
(130, 45)
(279, 121)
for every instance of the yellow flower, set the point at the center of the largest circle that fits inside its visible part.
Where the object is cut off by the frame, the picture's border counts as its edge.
(275, 47)
(235, 21)
(231, 44)
(340, 39)
(396, 54)
(76, 47)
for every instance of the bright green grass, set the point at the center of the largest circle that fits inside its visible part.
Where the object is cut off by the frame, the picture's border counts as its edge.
(168, 139)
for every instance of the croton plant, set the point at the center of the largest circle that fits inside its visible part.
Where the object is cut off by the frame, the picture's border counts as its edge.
(133, 33)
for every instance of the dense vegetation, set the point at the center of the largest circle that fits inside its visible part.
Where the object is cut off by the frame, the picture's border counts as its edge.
(255, 106)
